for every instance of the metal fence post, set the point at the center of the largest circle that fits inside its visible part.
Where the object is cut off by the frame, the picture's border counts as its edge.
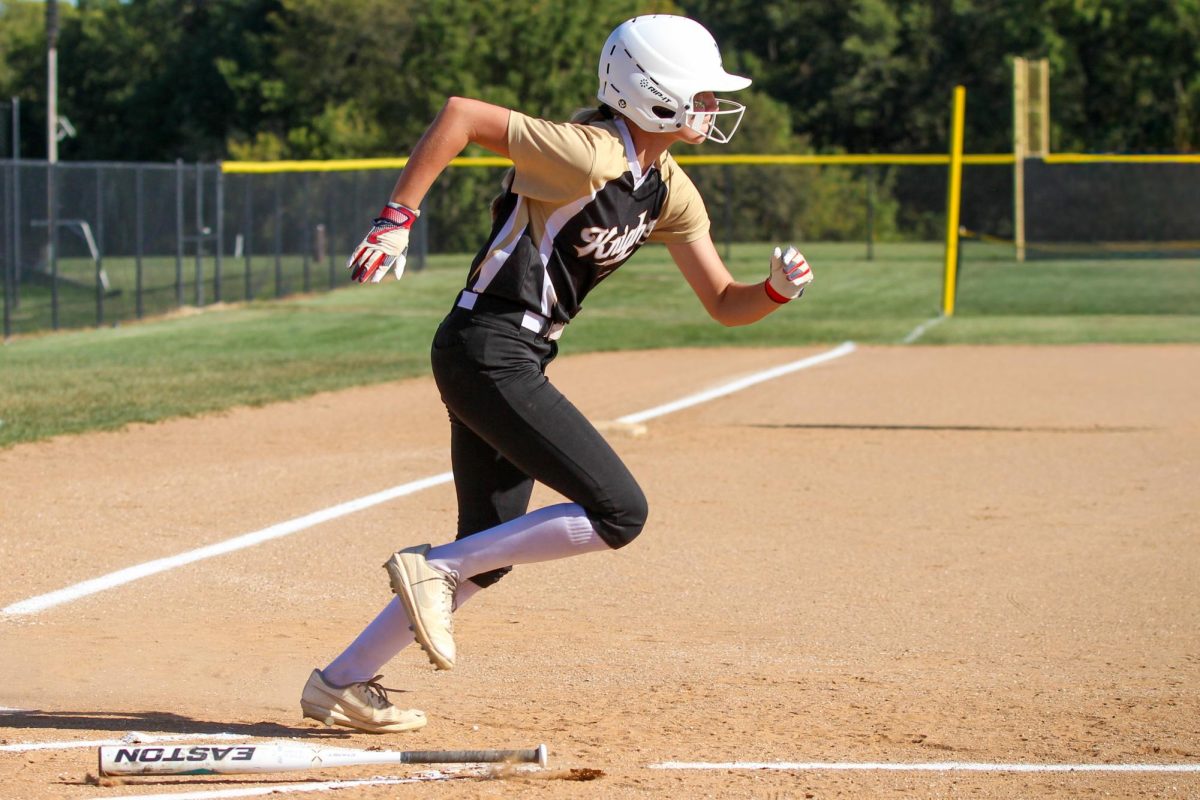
(278, 215)
(140, 234)
(199, 236)
(99, 246)
(52, 238)
(179, 233)
(16, 235)
(359, 206)
(220, 232)
(247, 234)
(870, 213)
(307, 231)
(330, 237)
(10, 261)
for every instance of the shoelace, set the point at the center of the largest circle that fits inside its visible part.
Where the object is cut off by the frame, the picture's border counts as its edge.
(449, 589)
(377, 693)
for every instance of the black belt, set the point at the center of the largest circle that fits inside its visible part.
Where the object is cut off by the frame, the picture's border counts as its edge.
(530, 320)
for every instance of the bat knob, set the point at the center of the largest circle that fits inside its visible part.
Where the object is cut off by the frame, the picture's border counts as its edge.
(542, 755)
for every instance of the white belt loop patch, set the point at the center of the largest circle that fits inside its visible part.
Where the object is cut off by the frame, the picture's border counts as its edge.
(531, 320)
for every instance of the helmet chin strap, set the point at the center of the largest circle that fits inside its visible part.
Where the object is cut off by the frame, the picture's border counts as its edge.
(695, 120)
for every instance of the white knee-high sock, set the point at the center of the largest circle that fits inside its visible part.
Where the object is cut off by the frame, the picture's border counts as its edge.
(544, 535)
(381, 641)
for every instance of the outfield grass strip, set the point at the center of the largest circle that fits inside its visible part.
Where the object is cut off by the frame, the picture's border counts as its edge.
(264, 352)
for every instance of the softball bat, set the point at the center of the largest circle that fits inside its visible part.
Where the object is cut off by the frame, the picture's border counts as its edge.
(224, 759)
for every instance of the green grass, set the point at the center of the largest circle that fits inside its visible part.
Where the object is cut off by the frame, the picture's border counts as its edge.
(261, 352)
(262, 279)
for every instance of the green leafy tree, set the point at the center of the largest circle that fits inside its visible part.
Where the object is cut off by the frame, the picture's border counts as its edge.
(1127, 75)
(325, 82)
(137, 79)
(877, 75)
(23, 67)
(538, 57)
(160, 79)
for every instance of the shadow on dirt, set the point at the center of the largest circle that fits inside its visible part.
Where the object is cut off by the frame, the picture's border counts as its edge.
(154, 722)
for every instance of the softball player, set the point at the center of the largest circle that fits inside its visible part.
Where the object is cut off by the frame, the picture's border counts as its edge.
(579, 201)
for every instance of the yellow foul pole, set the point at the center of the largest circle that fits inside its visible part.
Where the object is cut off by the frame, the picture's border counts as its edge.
(953, 200)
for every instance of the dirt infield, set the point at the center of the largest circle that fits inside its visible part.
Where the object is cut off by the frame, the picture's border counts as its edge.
(907, 555)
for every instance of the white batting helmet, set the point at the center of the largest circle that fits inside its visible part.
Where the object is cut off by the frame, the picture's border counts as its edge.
(652, 67)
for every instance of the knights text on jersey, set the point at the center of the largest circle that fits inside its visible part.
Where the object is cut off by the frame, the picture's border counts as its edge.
(577, 207)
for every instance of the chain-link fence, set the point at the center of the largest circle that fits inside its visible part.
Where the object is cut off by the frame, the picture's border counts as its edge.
(1098, 209)
(121, 241)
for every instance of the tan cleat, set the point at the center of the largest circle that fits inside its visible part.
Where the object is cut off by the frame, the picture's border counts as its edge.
(360, 705)
(428, 597)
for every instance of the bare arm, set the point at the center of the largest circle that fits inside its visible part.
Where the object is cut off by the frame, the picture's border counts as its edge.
(726, 300)
(460, 122)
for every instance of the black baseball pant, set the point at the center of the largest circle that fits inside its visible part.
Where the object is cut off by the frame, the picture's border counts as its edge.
(509, 427)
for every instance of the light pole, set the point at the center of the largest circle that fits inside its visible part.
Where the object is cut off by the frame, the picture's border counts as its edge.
(52, 81)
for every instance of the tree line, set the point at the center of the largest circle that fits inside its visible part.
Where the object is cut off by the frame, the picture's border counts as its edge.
(157, 80)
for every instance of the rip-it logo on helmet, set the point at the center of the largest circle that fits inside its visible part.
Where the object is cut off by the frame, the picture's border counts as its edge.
(652, 68)
(652, 89)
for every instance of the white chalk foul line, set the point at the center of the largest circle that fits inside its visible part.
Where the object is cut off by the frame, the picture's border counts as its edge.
(139, 571)
(129, 574)
(919, 331)
(844, 349)
(128, 739)
(942, 766)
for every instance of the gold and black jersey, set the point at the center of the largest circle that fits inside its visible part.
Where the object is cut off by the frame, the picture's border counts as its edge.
(578, 205)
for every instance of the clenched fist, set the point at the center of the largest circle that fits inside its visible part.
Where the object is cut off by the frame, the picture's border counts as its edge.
(790, 273)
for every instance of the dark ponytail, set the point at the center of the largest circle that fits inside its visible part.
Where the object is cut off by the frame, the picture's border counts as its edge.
(588, 116)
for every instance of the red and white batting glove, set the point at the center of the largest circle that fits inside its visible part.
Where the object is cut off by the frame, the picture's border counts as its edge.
(385, 246)
(790, 273)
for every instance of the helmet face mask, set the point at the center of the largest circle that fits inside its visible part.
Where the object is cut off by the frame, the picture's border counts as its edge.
(652, 69)
(709, 122)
